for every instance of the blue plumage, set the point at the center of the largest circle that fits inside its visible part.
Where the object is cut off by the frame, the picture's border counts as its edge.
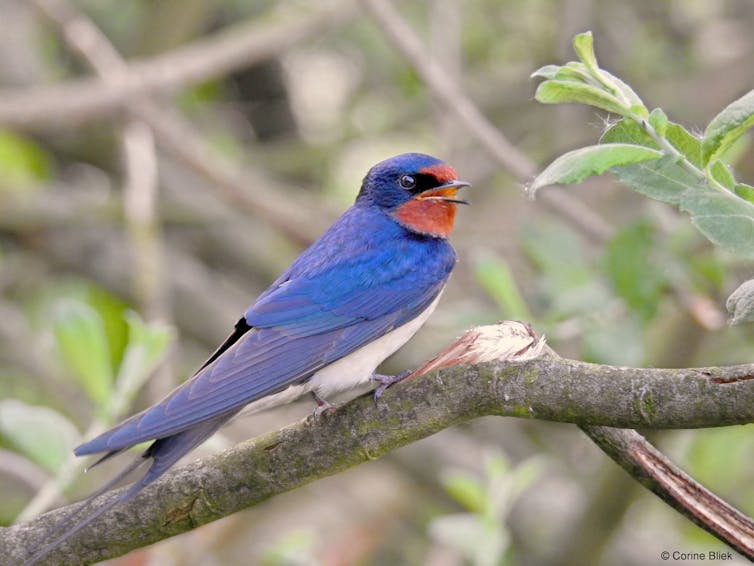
(370, 274)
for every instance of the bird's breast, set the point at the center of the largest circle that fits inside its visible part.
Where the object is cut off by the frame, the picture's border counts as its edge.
(358, 367)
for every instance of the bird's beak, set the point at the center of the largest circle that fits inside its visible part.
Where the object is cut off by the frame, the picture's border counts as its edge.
(446, 192)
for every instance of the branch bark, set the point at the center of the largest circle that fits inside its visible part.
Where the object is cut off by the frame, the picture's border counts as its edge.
(547, 387)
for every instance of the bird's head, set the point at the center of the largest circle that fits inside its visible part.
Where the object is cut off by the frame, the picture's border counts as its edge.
(417, 190)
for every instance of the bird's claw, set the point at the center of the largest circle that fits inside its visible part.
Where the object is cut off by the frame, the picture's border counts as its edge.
(322, 406)
(386, 381)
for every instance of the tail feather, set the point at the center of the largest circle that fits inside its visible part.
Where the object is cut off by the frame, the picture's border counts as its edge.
(164, 452)
(69, 531)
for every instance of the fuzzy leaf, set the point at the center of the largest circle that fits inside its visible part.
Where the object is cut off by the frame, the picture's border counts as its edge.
(546, 72)
(559, 91)
(728, 126)
(722, 174)
(577, 165)
(744, 191)
(583, 45)
(723, 218)
(659, 121)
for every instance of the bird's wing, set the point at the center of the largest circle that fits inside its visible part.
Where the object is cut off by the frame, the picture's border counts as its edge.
(304, 324)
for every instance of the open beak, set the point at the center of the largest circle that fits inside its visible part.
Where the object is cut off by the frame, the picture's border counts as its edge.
(446, 192)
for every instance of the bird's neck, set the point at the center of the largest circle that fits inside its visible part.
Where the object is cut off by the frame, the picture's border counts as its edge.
(428, 217)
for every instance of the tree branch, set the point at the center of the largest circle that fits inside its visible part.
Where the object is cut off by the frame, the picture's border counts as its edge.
(547, 387)
(233, 48)
(178, 136)
(654, 471)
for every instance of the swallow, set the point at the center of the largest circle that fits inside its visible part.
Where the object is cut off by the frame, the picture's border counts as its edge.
(345, 304)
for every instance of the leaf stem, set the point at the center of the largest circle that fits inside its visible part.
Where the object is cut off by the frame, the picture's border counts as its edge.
(671, 150)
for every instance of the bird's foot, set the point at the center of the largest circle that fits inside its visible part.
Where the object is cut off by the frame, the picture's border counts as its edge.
(322, 406)
(386, 381)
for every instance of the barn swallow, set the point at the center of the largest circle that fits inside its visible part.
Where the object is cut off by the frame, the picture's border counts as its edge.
(344, 305)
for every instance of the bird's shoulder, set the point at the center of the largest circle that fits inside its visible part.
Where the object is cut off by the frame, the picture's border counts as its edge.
(363, 267)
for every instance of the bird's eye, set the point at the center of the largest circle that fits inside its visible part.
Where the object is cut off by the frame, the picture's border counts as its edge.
(407, 181)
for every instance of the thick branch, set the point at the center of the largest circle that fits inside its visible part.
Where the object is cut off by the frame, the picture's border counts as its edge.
(548, 388)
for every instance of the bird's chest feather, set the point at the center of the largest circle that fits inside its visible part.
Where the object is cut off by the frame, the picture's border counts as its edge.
(358, 366)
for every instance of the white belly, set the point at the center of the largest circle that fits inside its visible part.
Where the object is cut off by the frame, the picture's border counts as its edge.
(349, 371)
(357, 367)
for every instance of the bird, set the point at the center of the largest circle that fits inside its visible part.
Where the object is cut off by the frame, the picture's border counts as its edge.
(349, 301)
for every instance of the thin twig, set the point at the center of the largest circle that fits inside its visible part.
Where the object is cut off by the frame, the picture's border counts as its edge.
(291, 216)
(447, 91)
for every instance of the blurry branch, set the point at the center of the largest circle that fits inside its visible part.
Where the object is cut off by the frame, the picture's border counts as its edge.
(291, 215)
(140, 192)
(544, 387)
(205, 305)
(233, 48)
(449, 94)
(657, 473)
(22, 470)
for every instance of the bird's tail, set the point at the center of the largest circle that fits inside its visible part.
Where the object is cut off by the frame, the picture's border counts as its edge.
(164, 453)
(65, 530)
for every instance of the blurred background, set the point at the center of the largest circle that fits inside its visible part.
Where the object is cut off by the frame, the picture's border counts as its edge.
(143, 206)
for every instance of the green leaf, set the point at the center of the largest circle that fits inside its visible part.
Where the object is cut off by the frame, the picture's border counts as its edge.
(40, 433)
(573, 71)
(744, 191)
(629, 265)
(546, 72)
(577, 165)
(583, 45)
(146, 347)
(723, 218)
(467, 491)
(685, 142)
(625, 94)
(498, 281)
(559, 91)
(664, 179)
(630, 131)
(659, 121)
(728, 126)
(720, 173)
(82, 343)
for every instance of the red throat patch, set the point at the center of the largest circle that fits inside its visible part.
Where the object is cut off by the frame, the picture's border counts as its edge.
(429, 216)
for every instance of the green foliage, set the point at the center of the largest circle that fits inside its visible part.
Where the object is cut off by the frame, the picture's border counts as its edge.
(728, 126)
(577, 165)
(23, 163)
(78, 317)
(630, 265)
(480, 534)
(497, 279)
(686, 172)
(41, 434)
(83, 348)
(293, 548)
